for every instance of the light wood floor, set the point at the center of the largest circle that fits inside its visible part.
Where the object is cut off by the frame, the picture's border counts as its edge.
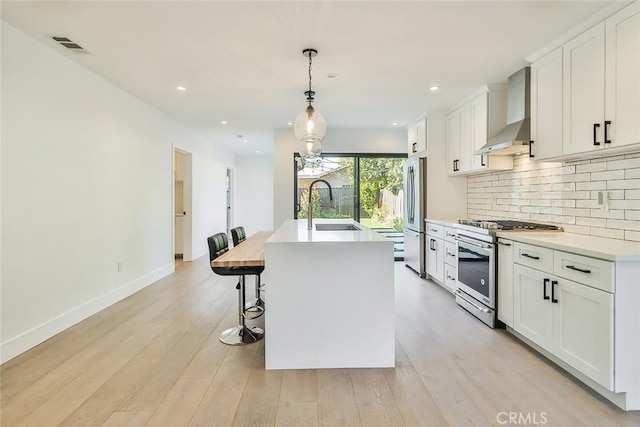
(155, 359)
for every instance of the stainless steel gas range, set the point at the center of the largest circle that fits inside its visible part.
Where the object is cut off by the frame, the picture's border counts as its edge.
(478, 264)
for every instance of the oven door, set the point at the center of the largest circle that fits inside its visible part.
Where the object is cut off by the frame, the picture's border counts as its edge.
(476, 269)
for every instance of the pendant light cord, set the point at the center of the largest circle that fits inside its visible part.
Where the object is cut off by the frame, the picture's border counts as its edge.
(310, 91)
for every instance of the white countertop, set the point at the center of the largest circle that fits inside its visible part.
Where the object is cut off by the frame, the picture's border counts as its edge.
(445, 222)
(293, 231)
(596, 247)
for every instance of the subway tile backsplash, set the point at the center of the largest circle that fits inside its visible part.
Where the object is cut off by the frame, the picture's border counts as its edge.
(565, 194)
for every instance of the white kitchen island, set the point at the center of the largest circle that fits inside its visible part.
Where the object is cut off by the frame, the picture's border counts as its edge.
(330, 298)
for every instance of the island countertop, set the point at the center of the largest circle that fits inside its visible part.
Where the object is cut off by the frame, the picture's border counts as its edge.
(296, 231)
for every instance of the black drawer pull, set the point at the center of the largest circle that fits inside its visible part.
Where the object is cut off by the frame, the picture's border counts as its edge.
(530, 256)
(553, 291)
(482, 163)
(530, 147)
(607, 123)
(544, 288)
(573, 267)
(595, 133)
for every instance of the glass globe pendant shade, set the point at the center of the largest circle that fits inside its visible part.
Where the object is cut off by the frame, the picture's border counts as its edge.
(310, 125)
(310, 148)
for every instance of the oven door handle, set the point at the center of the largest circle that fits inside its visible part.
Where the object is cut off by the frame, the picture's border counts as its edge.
(457, 292)
(472, 243)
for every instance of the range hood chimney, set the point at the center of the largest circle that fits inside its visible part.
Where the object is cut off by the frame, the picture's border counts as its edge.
(514, 138)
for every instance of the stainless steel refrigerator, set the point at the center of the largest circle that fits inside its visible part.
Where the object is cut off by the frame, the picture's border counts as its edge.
(415, 209)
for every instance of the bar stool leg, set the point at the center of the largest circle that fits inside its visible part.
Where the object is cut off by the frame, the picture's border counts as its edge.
(241, 334)
(257, 305)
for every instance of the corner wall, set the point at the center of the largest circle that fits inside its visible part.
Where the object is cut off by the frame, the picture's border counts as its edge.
(86, 183)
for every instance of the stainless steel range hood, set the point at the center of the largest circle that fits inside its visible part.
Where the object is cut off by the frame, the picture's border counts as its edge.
(515, 136)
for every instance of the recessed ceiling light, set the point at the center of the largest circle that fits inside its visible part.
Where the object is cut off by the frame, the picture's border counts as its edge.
(394, 124)
(290, 123)
(434, 88)
(181, 88)
(246, 140)
(224, 122)
(257, 151)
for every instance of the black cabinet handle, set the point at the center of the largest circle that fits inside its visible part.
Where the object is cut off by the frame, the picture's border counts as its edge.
(544, 288)
(530, 147)
(553, 291)
(482, 163)
(573, 267)
(595, 133)
(432, 244)
(414, 147)
(607, 123)
(530, 256)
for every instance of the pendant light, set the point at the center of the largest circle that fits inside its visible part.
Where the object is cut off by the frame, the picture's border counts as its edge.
(310, 127)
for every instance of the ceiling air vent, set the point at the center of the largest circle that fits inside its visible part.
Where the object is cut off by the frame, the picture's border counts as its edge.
(66, 42)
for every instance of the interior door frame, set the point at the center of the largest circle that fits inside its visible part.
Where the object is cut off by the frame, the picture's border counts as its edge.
(187, 203)
(229, 199)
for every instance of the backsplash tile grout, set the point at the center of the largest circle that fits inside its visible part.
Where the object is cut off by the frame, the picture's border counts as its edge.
(565, 194)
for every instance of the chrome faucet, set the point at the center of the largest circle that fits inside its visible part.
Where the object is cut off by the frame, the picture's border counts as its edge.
(310, 210)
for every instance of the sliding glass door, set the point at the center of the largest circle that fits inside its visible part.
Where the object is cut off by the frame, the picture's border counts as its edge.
(339, 173)
(365, 187)
(380, 192)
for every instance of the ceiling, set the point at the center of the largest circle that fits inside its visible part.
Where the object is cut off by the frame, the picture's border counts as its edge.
(242, 62)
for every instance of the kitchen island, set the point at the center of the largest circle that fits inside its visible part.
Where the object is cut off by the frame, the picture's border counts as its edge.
(330, 297)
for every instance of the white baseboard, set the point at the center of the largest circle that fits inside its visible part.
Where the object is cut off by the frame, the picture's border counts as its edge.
(31, 338)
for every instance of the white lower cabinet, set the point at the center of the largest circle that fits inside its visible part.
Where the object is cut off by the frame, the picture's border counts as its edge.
(505, 281)
(435, 258)
(442, 255)
(571, 320)
(583, 329)
(533, 314)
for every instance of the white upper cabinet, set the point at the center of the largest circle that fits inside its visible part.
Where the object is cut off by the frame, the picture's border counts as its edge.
(417, 138)
(469, 128)
(480, 128)
(583, 91)
(622, 84)
(453, 141)
(597, 74)
(546, 106)
(464, 161)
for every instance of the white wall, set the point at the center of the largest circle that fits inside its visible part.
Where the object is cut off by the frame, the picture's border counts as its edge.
(336, 141)
(254, 193)
(86, 183)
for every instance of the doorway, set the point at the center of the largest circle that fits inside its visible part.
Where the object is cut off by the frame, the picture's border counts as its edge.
(229, 190)
(182, 202)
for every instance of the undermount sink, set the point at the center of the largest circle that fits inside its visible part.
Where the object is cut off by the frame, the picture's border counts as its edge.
(336, 227)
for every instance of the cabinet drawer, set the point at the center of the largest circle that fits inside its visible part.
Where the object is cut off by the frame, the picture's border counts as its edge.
(450, 277)
(451, 253)
(586, 270)
(450, 234)
(435, 230)
(534, 257)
